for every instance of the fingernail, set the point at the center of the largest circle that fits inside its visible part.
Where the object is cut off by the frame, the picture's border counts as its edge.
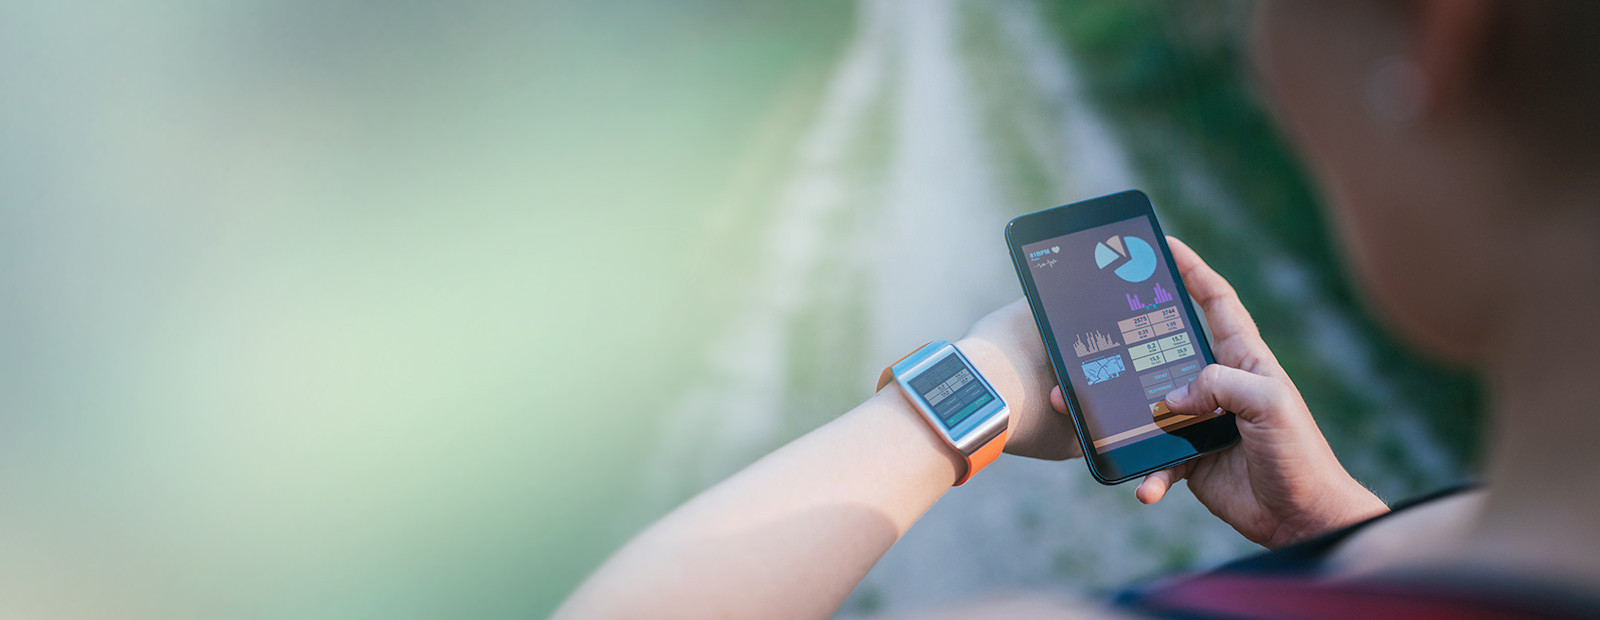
(1141, 493)
(1176, 396)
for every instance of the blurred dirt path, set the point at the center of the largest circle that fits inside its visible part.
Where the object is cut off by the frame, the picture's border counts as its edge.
(914, 250)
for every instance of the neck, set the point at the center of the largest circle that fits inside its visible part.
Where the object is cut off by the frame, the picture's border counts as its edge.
(1544, 379)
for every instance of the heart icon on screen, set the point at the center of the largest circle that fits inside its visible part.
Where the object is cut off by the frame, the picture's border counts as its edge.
(1055, 250)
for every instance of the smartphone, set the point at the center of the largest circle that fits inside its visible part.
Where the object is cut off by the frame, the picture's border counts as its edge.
(1121, 332)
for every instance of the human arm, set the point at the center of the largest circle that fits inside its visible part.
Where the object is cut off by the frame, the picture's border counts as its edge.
(792, 534)
(788, 536)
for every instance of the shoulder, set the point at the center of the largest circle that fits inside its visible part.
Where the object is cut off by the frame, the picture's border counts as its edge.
(1410, 536)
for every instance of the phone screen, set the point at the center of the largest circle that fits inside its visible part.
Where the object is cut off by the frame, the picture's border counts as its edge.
(1122, 333)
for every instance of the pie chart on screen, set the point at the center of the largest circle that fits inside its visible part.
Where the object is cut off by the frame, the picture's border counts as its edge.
(1132, 258)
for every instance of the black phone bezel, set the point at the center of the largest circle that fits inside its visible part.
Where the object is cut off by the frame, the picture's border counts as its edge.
(1149, 455)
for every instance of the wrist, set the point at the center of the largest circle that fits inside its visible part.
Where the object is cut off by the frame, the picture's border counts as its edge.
(1345, 504)
(1362, 503)
(991, 361)
(956, 398)
(1004, 373)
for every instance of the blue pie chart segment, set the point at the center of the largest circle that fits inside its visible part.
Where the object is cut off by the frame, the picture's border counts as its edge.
(1141, 261)
(1103, 255)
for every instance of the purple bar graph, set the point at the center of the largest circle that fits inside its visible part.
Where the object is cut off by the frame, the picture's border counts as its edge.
(1161, 295)
(1133, 302)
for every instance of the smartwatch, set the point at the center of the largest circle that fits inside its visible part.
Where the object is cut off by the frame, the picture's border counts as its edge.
(955, 399)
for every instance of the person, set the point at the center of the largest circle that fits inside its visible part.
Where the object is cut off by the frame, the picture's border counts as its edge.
(1456, 140)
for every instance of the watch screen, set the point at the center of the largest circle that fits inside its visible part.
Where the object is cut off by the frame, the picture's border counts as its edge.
(951, 390)
(1125, 337)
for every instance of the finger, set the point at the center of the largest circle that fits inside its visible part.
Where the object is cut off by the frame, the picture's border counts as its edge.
(1252, 397)
(1225, 314)
(1156, 485)
(1057, 400)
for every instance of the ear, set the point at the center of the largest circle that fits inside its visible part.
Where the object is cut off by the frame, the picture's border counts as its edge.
(1451, 42)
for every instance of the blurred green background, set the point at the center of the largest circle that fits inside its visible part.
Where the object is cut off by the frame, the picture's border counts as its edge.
(348, 309)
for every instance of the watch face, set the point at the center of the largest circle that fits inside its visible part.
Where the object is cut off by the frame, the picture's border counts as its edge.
(952, 395)
(952, 391)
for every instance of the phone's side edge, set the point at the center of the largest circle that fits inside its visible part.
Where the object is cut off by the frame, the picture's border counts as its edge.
(1079, 425)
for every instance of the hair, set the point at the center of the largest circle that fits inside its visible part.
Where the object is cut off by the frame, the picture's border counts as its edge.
(1543, 72)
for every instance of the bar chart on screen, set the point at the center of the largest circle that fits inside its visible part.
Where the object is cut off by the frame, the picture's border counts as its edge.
(1093, 342)
(1161, 295)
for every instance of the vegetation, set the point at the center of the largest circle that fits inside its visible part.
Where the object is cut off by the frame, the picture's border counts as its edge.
(1173, 80)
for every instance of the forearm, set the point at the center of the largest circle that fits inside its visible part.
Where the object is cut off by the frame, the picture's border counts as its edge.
(789, 536)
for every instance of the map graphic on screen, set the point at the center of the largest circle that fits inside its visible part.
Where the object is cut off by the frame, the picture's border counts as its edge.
(1102, 369)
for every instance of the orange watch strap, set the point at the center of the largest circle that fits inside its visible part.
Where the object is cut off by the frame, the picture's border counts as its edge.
(980, 459)
(985, 455)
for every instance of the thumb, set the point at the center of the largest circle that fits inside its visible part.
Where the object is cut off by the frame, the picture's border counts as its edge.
(1155, 485)
(1252, 397)
(1058, 401)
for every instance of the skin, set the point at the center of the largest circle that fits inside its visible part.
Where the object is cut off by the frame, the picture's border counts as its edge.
(1440, 212)
(1441, 216)
(1281, 483)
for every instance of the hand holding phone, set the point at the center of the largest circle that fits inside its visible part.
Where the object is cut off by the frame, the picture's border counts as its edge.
(1120, 331)
(1281, 483)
